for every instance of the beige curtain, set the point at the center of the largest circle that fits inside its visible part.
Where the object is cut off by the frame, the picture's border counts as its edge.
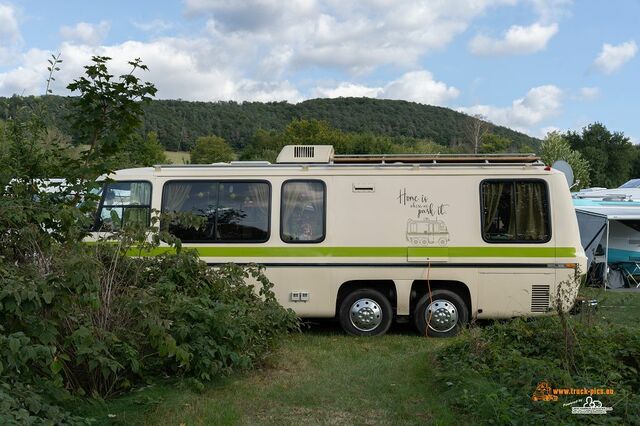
(139, 195)
(530, 215)
(260, 193)
(176, 194)
(491, 199)
(290, 195)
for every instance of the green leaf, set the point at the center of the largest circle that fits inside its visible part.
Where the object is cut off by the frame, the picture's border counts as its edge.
(14, 345)
(56, 366)
(47, 296)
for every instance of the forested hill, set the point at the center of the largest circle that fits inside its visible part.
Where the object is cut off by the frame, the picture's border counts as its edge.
(178, 123)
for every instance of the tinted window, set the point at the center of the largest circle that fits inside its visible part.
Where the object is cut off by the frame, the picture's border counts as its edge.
(303, 212)
(515, 211)
(232, 211)
(124, 203)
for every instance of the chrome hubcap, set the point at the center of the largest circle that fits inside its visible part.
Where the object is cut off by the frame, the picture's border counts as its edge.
(441, 315)
(365, 314)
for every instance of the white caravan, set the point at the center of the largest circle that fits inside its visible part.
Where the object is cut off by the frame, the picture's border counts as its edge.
(369, 239)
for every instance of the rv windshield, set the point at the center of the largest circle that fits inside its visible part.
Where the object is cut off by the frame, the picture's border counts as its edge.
(633, 183)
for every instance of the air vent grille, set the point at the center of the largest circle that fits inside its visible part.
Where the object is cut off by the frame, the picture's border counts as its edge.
(539, 298)
(304, 152)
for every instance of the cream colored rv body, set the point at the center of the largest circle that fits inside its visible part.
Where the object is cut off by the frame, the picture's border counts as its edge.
(407, 232)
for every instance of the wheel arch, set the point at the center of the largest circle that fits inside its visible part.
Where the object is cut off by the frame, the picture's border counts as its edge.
(386, 287)
(419, 288)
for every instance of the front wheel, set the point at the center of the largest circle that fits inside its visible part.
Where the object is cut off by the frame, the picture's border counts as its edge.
(442, 314)
(365, 312)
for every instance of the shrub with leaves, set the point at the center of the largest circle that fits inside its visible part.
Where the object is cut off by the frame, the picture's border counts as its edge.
(101, 321)
(493, 371)
(91, 319)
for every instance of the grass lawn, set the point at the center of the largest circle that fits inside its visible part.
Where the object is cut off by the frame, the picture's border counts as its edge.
(321, 376)
(616, 307)
(177, 157)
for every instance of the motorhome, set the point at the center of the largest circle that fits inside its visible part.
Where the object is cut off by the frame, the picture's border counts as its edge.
(369, 239)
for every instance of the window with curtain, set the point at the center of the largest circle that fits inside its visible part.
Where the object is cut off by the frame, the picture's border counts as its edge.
(302, 210)
(515, 211)
(124, 203)
(233, 211)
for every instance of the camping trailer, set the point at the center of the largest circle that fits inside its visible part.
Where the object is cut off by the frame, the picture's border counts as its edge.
(439, 239)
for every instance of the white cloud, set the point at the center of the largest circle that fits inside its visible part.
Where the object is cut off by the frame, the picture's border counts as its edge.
(9, 30)
(612, 58)
(419, 86)
(546, 130)
(153, 26)
(85, 33)
(345, 34)
(588, 93)
(255, 49)
(539, 104)
(415, 86)
(29, 77)
(550, 10)
(348, 90)
(180, 68)
(10, 37)
(517, 40)
(252, 15)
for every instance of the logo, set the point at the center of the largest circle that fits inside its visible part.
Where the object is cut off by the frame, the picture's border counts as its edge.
(543, 393)
(591, 406)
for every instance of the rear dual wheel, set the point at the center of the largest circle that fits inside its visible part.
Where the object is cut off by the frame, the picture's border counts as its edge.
(441, 314)
(368, 312)
(365, 312)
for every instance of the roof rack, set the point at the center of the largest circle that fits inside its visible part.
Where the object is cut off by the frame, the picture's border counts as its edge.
(515, 158)
(325, 154)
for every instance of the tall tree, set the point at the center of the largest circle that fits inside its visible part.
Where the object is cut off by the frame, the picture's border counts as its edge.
(610, 155)
(211, 149)
(555, 147)
(144, 151)
(635, 168)
(492, 143)
(108, 110)
(475, 128)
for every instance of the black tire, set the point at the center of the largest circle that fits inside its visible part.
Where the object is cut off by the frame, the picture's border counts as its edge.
(382, 312)
(450, 302)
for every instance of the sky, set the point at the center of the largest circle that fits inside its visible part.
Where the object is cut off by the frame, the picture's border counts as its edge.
(532, 65)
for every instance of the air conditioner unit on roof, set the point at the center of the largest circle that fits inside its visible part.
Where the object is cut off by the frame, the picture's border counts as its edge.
(306, 154)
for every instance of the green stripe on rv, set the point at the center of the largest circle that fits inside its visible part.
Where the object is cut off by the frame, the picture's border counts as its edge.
(460, 252)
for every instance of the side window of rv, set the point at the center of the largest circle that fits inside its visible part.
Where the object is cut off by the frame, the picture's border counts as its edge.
(124, 203)
(302, 211)
(231, 211)
(515, 211)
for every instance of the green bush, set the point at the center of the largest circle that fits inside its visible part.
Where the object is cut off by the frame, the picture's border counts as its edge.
(100, 321)
(88, 319)
(493, 371)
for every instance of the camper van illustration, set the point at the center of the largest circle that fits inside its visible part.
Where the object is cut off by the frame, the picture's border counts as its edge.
(427, 232)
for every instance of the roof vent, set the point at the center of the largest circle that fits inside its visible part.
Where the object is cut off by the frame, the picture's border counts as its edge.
(306, 154)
